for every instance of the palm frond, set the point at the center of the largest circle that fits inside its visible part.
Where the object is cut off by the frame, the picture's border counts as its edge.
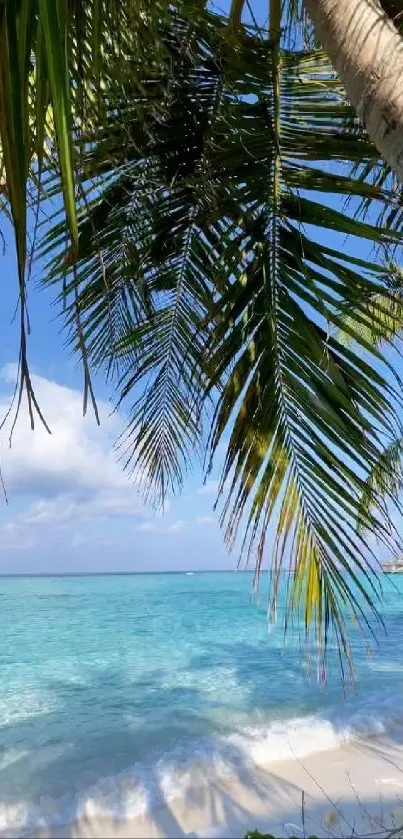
(55, 59)
(202, 274)
(380, 319)
(142, 284)
(385, 480)
(304, 412)
(380, 322)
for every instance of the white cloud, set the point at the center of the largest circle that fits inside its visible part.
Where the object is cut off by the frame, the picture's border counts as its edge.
(12, 539)
(202, 520)
(153, 526)
(209, 488)
(73, 474)
(147, 527)
(69, 497)
(176, 526)
(78, 541)
(68, 508)
(76, 455)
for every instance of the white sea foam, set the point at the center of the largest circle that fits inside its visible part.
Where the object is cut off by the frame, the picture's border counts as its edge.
(144, 787)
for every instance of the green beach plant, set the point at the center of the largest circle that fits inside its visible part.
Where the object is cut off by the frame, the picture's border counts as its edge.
(209, 169)
(255, 834)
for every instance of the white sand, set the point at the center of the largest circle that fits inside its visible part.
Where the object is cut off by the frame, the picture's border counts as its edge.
(354, 790)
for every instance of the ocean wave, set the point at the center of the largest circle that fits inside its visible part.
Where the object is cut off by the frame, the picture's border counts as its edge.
(145, 787)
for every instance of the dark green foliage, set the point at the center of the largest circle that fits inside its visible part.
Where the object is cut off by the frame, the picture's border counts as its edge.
(255, 834)
(203, 278)
(201, 273)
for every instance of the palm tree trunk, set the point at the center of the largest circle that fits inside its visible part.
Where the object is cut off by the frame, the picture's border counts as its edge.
(367, 52)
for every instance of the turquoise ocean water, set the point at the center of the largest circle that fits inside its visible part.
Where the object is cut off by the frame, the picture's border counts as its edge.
(112, 686)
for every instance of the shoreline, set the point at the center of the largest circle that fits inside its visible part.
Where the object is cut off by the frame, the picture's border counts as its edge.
(356, 789)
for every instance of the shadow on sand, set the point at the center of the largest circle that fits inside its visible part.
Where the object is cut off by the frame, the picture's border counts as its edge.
(206, 797)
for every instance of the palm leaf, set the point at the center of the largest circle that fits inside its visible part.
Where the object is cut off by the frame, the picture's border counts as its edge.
(142, 282)
(304, 412)
(379, 321)
(55, 57)
(202, 274)
(385, 480)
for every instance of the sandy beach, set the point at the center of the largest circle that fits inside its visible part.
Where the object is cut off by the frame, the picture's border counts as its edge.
(207, 728)
(354, 790)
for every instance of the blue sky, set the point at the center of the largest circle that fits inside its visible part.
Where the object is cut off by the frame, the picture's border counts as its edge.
(71, 507)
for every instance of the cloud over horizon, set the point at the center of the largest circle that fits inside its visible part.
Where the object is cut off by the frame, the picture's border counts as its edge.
(72, 506)
(71, 476)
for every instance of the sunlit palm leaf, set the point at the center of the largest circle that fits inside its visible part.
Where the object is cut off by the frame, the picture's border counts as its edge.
(385, 480)
(202, 273)
(302, 410)
(143, 279)
(55, 58)
(379, 322)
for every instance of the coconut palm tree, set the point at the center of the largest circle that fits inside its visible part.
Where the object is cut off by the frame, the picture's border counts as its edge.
(195, 266)
(360, 39)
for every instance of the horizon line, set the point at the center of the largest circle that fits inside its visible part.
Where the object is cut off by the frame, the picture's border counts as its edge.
(122, 573)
